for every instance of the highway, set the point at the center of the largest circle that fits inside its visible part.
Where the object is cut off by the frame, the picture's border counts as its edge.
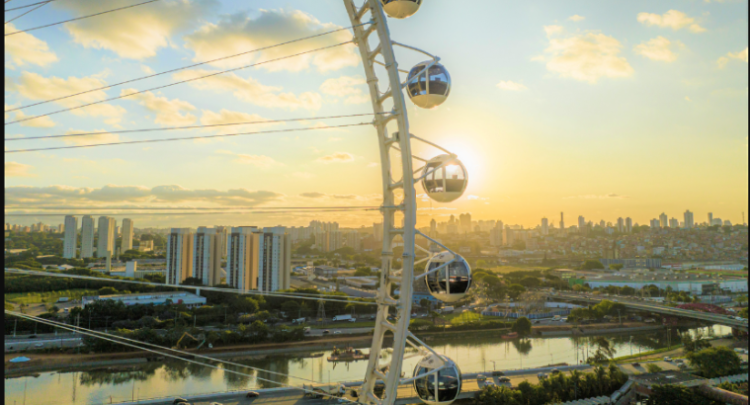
(17, 345)
(659, 309)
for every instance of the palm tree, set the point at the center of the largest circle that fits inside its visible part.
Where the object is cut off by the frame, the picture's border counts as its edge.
(604, 349)
(575, 378)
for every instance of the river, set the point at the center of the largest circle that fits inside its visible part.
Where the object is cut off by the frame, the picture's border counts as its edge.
(472, 352)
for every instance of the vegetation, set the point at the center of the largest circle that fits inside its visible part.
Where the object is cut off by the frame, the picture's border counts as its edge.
(592, 265)
(15, 283)
(604, 350)
(694, 343)
(557, 388)
(676, 394)
(47, 297)
(522, 326)
(653, 368)
(715, 361)
(598, 311)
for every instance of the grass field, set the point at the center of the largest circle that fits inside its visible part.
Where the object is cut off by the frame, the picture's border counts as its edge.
(47, 297)
(510, 269)
(740, 273)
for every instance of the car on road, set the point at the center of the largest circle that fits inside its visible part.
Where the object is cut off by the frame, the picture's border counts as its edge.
(325, 332)
(337, 332)
(636, 364)
(555, 371)
(39, 345)
(180, 401)
(481, 378)
(252, 394)
(667, 358)
(541, 376)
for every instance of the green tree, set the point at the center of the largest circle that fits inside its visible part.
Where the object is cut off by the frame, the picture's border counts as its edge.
(716, 361)
(604, 350)
(522, 326)
(676, 394)
(694, 343)
(499, 396)
(616, 267)
(515, 290)
(107, 291)
(653, 368)
(531, 282)
(592, 265)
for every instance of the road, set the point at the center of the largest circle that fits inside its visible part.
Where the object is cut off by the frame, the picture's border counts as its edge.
(660, 309)
(17, 345)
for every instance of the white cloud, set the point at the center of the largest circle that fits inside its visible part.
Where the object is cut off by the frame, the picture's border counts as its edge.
(576, 18)
(15, 169)
(24, 48)
(36, 87)
(101, 136)
(134, 33)
(147, 70)
(599, 197)
(338, 157)
(168, 112)
(587, 56)
(551, 30)
(673, 19)
(41, 122)
(741, 55)
(260, 161)
(251, 91)
(240, 32)
(303, 175)
(231, 117)
(658, 48)
(511, 86)
(346, 86)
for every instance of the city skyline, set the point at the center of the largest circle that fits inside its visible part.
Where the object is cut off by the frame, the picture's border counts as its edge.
(537, 136)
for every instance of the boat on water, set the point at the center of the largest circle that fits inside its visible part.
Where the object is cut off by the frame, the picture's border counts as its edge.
(509, 336)
(347, 354)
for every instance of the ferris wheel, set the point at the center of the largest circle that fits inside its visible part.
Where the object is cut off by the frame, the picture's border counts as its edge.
(436, 379)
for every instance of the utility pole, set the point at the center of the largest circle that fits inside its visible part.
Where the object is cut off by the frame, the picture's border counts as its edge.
(619, 316)
(193, 321)
(15, 325)
(106, 324)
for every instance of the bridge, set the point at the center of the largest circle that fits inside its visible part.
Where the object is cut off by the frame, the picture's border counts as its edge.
(642, 305)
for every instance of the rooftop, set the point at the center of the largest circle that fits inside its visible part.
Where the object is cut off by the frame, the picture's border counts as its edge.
(668, 377)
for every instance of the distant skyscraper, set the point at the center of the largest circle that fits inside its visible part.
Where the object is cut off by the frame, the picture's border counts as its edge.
(620, 225)
(655, 224)
(496, 235)
(87, 236)
(106, 242)
(207, 254)
(70, 240)
(465, 222)
(689, 221)
(243, 262)
(562, 221)
(222, 232)
(433, 228)
(353, 240)
(276, 260)
(710, 218)
(727, 222)
(663, 220)
(377, 232)
(545, 226)
(179, 255)
(127, 235)
(582, 224)
(674, 223)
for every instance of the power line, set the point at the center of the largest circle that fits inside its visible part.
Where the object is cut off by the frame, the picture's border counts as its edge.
(78, 18)
(114, 339)
(186, 67)
(291, 295)
(180, 82)
(188, 138)
(19, 16)
(270, 209)
(185, 213)
(28, 5)
(130, 131)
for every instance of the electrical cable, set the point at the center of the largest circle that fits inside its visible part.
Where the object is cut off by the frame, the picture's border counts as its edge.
(181, 81)
(188, 138)
(186, 67)
(291, 295)
(28, 5)
(130, 131)
(19, 16)
(353, 207)
(84, 331)
(222, 212)
(79, 18)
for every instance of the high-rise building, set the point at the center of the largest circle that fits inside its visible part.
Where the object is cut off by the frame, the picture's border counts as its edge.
(70, 240)
(620, 225)
(276, 260)
(582, 224)
(496, 235)
(126, 243)
(562, 221)
(222, 232)
(353, 240)
(179, 255)
(207, 254)
(465, 222)
(433, 228)
(106, 243)
(655, 224)
(663, 220)
(727, 222)
(87, 236)
(674, 223)
(377, 232)
(243, 262)
(710, 218)
(689, 221)
(329, 241)
(545, 226)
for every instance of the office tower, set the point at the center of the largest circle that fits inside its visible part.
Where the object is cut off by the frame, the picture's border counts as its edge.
(620, 225)
(276, 259)
(207, 254)
(655, 224)
(581, 224)
(727, 222)
(106, 242)
(433, 228)
(629, 224)
(674, 223)
(663, 220)
(465, 222)
(377, 232)
(87, 236)
(689, 222)
(179, 255)
(545, 226)
(353, 240)
(496, 235)
(70, 240)
(329, 241)
(710, 218)
(562, 221)
(127, 235)
(61, 228)
(243, 262)
(222, 232)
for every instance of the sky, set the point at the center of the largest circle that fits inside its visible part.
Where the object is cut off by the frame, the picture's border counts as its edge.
(599, 109)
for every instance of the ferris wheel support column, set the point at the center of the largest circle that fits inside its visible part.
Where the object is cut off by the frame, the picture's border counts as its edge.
(389, 276)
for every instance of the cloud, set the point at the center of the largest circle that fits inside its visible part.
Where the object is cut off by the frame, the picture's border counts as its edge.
(303, 175)
(168, 112)
(25, 197)
(741, 55)
(135, 33)
(230, 117)
(338, 157)
(15, 169)
(348, 87)
(314, 195)
(588, 56)
(251, 91)
(551, 30)
(101, 137)
(318, 195)
(576, 18)
(24, 48)
(41, 122)
(147, 70)
(599, 197)
(511, 86)
(36, 87)
(259, 161)
(239, 32)
(658, 48)
(673, 19)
